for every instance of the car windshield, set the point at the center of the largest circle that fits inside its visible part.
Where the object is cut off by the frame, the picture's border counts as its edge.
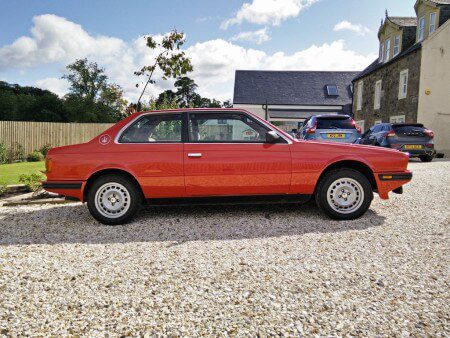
(335, 123)
(408, 129)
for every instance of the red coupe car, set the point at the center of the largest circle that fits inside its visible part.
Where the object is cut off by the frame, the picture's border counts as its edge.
(218, 155)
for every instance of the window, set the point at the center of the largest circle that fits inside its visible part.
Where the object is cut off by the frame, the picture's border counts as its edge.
(381, 52)
(432, 26)
(377, 122)
(205, 127)
(377, 98)
(421, 28)
(387, 50)
(376, 128)
(154, 128)
(396, 45)
(359, 95)
(332, 90)
(403, 84)
(397, 119)
(335, 123)
(361, 124)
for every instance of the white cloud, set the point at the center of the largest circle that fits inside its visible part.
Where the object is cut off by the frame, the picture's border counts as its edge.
(259, 36)
(356, 28)
(265, 12)
(214, 61)
(55, 85)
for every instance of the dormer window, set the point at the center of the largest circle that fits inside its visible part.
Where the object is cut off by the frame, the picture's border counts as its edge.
(432, 26)
(332, 90)
(387, 50)
(396, 45)
(381, 52)
(421, 28)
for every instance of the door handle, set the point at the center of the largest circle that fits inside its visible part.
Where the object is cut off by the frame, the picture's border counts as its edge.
(195, 155)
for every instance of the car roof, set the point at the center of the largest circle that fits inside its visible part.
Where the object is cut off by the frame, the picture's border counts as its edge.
(332, 116)
(203, 110)
(408, 125)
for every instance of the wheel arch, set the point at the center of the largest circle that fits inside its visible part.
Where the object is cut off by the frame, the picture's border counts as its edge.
(351, 164)
(110, 171)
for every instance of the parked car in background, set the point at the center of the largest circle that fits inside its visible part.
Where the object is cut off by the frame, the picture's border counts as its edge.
(412, 138)
(333, 128)
(216, 156)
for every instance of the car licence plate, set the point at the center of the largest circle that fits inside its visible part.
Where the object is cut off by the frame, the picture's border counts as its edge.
(413, 146)
(335, 135)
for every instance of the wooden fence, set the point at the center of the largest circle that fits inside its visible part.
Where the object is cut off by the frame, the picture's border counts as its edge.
(34, 135)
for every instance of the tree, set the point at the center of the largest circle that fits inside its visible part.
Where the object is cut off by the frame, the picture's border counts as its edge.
(186, 90)
(170, 60)
(91, 97)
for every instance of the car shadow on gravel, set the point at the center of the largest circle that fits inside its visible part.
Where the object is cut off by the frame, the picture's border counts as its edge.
(72, 223)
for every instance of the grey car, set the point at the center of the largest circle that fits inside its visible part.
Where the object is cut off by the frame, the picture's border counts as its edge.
(412, 138)
(332, 128)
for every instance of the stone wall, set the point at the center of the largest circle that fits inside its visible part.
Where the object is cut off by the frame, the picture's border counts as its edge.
(390, 105)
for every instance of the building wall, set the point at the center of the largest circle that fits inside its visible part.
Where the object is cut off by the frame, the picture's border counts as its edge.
(434, 98)
(390, 105)
(252, 108)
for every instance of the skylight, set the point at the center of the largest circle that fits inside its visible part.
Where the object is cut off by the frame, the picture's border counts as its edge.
(332, 90)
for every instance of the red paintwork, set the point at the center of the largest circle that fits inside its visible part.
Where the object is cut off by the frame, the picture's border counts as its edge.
(164, 170)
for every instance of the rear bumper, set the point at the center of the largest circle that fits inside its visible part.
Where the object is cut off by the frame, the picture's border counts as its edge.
(67, 188)
(387, 182)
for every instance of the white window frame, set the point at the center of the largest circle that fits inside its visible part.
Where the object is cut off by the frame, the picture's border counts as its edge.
(378, 122)
(402, 86)
(432, 24)
(377, 95)
(387, 50)
(361, 123)
(396, 45)
(397, 119)
(421, 29)
(359, 95)
(382, 52)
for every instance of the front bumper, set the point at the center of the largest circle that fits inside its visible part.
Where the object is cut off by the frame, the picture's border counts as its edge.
(72, 189)
(387, 182)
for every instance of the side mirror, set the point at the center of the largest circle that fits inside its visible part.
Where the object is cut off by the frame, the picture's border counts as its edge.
(272, 137)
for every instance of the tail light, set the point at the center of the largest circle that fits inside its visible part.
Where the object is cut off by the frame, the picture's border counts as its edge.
(312, 130)
(48, 165)
(358, 128)
(429, 145)
(391, 133)
(429, 133)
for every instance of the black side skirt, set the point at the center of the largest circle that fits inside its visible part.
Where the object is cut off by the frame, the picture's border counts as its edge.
(61, 185)
(230, 200)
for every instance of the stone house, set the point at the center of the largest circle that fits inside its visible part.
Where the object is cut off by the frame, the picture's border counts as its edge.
(390, 89)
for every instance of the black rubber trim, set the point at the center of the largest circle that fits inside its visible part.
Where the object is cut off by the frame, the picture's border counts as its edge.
(230, 200)
(56, 185)
(395, 177)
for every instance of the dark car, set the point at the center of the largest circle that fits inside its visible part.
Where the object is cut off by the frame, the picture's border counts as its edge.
(412, 138)
(331, 127)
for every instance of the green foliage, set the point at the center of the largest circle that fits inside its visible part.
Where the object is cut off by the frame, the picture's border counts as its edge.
(169, 59)
(31, 181)
(45, 148)
(15, 153)
(3, 188)
(35, 156)
(3, 153)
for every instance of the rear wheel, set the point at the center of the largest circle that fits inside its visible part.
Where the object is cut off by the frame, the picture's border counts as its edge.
(113, 199)
(344, 194)
(426, 158)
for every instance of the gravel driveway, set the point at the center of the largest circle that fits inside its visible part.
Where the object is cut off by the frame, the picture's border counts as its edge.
(280, 270)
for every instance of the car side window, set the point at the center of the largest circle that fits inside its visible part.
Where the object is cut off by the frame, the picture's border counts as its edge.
(226, 128)
(376, 128)
(154, 128)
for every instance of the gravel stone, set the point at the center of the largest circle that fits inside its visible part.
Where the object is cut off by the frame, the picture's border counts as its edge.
(281, 270)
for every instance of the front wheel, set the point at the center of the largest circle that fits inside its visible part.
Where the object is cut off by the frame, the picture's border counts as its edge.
(113, 199)
(344, 194)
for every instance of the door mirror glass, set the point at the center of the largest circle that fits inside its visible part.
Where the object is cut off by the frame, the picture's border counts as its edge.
(272, 137)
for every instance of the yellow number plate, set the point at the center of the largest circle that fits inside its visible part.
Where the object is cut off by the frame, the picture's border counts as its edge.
(335, 135)
(413, 146)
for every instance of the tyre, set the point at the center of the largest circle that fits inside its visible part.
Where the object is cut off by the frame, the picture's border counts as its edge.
(113, 199)
(426, 158)
(344, 194)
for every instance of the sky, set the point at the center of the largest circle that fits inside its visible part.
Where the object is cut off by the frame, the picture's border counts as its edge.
(39, 38)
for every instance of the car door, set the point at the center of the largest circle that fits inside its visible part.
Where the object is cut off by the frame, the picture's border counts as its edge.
(226, 154)
(152, 148)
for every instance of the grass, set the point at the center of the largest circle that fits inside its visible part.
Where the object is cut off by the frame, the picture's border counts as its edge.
(9, 173)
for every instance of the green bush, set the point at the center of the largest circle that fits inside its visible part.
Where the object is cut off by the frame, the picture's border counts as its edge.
(35, 156)
(15, 153)
(3, 153)
(3, 188)
(32, 181)
(45, 148)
